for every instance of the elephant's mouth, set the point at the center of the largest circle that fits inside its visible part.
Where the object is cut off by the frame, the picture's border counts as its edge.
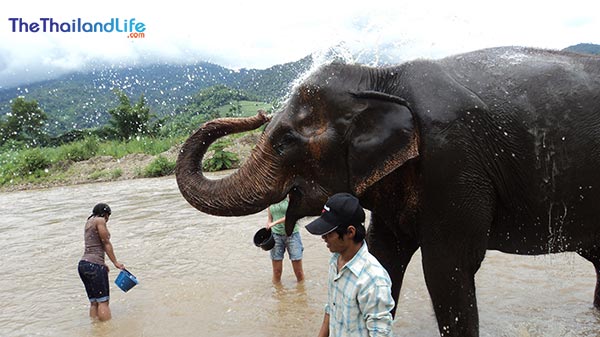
(295, 194)
(305, 200)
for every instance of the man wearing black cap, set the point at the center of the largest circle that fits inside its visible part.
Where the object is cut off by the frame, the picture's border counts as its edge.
(359, 296)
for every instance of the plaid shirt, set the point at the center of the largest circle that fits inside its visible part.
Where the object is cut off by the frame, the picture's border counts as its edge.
(359, 300)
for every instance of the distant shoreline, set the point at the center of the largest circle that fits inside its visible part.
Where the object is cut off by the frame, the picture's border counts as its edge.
(47, 185)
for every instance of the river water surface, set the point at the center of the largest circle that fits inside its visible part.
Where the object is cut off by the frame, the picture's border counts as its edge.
(201, 275)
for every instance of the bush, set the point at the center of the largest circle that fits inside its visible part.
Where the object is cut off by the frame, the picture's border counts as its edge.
(221, 159)
(161, 166)
(8, 166)
(106, 174)
(116, 173)
(32, 161)
(79, 151)
(68, 137)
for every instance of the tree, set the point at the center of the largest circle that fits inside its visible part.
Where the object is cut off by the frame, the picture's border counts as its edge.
(129, 121)
(24, 123)
(235, 109)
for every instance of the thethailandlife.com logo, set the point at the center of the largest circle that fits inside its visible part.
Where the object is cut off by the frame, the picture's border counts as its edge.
(134, 29)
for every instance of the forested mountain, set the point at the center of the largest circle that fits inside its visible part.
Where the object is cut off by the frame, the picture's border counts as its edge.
(585, 48)
(82, 100)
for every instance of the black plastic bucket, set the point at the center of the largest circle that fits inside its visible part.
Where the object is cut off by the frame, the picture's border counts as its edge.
(264, 239)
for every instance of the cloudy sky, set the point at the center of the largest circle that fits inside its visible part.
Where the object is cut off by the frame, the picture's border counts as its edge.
(262, 33)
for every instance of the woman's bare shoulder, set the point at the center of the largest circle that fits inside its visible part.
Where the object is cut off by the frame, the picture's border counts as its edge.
(95, 221)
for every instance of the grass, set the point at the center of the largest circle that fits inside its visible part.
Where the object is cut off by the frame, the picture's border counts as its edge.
(152, 146)
(249, 108)
(47, 165)
(106, 174)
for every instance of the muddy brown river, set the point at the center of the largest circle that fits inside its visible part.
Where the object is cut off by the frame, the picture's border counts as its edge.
(201, 275)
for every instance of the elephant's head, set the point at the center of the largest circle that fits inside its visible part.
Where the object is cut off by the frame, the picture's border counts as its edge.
(338, 132)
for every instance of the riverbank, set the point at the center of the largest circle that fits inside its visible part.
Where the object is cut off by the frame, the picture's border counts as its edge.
(106, 168)
(94, 170)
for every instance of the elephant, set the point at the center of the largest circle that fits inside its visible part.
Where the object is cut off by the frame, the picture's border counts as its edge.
(493, 149)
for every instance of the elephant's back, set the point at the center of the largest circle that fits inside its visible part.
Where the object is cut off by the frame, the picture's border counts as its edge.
(531, 119)
(520, 60)
(514, 71)
(546, 95)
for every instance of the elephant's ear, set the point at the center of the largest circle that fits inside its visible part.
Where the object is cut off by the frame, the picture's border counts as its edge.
(384, 135)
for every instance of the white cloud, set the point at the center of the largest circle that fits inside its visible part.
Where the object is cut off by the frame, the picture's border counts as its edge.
(262, 33)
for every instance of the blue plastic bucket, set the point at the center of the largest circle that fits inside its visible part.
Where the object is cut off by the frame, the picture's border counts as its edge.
(126, 280)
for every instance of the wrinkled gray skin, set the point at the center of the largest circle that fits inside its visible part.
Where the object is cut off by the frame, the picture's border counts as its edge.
(494, 149)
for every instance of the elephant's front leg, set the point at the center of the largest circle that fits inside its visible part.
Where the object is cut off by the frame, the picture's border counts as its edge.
(392, 249)
(450, 278)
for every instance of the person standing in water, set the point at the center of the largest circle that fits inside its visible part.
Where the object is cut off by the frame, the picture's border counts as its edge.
(92, 269)
(292, 243)
(359, 293)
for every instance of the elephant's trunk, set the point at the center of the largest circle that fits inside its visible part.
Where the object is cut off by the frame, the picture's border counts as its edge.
(249, 190)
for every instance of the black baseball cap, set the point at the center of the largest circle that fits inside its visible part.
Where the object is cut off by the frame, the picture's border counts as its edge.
(341, 209)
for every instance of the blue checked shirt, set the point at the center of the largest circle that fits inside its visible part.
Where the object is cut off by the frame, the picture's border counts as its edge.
(359, 300)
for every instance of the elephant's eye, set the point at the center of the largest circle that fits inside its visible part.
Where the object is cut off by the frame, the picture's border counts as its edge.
(283, 144)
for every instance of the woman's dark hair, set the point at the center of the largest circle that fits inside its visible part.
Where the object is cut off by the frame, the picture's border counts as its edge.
(360, 232)
(100, 209)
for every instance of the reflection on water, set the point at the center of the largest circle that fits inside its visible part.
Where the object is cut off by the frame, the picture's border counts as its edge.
(202, 276)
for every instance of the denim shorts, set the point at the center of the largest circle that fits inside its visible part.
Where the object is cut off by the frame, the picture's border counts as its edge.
(293, 245)
(95, 280)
